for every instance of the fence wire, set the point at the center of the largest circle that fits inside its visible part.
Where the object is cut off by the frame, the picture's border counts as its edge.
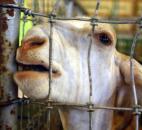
(136, 109)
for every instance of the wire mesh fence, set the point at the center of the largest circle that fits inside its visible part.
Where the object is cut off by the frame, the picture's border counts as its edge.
(36, 115)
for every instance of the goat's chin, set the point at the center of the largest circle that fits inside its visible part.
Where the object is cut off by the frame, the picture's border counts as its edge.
(33, 84)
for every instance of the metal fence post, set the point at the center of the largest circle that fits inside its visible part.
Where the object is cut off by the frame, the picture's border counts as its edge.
(9, 29)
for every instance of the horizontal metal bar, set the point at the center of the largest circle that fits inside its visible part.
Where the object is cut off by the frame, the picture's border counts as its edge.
(94, 20)
(59, 104)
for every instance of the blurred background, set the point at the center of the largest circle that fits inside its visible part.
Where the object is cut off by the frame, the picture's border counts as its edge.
(108, 9)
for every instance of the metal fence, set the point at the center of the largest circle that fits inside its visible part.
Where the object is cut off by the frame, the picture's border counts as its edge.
(44, 108)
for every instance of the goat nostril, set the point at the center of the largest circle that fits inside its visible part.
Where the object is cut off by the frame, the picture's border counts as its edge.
(33, 42)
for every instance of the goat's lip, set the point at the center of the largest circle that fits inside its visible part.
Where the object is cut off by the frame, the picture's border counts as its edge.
(39, 68)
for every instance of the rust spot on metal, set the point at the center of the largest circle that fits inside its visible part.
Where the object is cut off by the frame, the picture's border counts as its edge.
(10, 12)
(7, 1)
(8, 127)
(3, 28)
(3, 24)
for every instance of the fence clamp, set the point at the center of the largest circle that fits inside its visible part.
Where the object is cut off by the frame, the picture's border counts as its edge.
(90, 107)
(51, 16)
(49, 104)
(139, 21)
(137, 110)
(94, 21)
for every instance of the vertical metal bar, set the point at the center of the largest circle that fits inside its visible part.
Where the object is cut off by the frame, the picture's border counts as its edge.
(48, 120)
(39, 117)
(21, 115)
(97, 7)
(90, 83)
(9, 24)
(131, 68)
(89, 67)
(52, 15)
(22, 105)
(50, 69)
(132, 77)
(28, 114)
(53, 12)
(50, 56)
(70, 8)
(90, 120)
(137, 121)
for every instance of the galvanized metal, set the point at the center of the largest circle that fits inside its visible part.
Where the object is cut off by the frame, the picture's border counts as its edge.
(137, 113)
(94, 20)
(9, 26)
(70, 8)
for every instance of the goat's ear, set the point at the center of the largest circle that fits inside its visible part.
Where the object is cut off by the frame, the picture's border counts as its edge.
(124, 93)
(125, 71)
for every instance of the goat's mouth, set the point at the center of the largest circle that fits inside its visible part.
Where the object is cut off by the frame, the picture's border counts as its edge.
(38, 69)
(33, 80)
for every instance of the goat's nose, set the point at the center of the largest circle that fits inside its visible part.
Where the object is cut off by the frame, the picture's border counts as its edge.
(33, 43)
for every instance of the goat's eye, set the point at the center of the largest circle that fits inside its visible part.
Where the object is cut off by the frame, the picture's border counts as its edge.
(104, 39)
